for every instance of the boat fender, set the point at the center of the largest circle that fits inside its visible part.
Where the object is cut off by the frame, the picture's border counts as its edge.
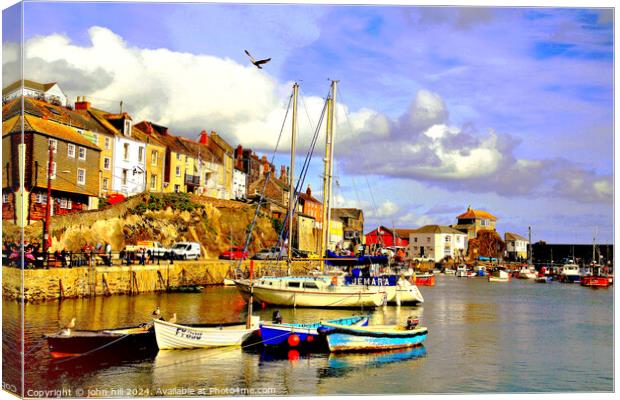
(293, 340)
(334, 280)
(310, 339)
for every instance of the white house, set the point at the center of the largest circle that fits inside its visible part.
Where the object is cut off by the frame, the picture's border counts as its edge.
(516, 246)
(129, 163)
(50, 92)
(239, 184)
(437, 242)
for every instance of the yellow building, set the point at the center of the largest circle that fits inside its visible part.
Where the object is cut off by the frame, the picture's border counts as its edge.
(472, 221)
(155, 160)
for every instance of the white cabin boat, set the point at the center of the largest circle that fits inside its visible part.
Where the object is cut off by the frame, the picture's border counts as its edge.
(499, 276)
(570, 273)
(171, 336)
(320, 291)
(461, 271)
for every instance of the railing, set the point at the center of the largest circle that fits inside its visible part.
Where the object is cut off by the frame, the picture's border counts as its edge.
(80, 259)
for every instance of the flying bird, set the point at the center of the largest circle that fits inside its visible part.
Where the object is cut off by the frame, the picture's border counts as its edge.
(259, 62)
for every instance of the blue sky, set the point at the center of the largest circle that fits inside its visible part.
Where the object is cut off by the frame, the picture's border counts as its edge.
(506, 109)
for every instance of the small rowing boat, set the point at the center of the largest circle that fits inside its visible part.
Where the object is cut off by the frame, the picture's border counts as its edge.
(293, 335)
(172, 336)
(128, 340)
(372, 338)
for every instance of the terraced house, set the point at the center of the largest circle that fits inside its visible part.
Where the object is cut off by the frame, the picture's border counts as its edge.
(53, 151)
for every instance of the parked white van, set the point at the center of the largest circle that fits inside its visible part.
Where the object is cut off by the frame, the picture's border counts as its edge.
(186, 250)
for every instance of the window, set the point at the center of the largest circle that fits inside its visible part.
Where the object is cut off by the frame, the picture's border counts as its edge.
(177, 188)
(106, 183)
(106, 163)
(178, 157)
(66, 203)
(140, 154)
(310, 285)
(415, 240)
(153, 182)
(428, 239)
(95, 139)
(42, 198)
(127, 128)
(485, 222)
(448, 239)
(82, 153)
(126, 151)
(5, 197)
(124, 178)
(178, 170)
(53, 143)
(81, 176)
(52, 174)
(71, 150)
(294, 284)
(107, 143)
(154, 156)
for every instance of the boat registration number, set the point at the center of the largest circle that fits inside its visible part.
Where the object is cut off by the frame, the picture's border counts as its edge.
(192, 335)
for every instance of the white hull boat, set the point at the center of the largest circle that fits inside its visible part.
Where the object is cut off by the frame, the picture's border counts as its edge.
(404, 293)
(500, 276)
(171, 336)
(320, 292)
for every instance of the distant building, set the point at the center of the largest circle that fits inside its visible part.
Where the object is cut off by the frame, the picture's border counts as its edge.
(516, 246)
(239, 190)
(276, 192)
(309, 205)
(437, 242)
(472, 221)
(352, 225)
(50, 92)
(387, 237)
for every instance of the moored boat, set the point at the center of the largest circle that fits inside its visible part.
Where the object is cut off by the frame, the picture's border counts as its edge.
(321, 291)
(425, 279)
(570, 273)
(543, 279)
(172, 336)
(499, 276)
(278, 334)
(461, 271)
(596, 278)
(371, 338)
(128, 340)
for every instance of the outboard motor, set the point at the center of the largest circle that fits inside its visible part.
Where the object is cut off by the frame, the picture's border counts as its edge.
(276, 318)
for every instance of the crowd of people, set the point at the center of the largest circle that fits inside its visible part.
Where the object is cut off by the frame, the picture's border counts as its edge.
(34, 255)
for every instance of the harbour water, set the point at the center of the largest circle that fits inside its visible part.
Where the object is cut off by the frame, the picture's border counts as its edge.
(519, 336)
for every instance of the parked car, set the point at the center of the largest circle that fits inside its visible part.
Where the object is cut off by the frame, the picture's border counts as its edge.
(234, 253)
(155, 249)
(270, 254)
(186, 250)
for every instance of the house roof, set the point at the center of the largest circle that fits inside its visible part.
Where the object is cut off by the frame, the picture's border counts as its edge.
(308, 197)
(39, 108)
(514, 236)
(354, 213)
(29, 84)
(437, 229)
(476, 214)
(404, 233)
(47, 128)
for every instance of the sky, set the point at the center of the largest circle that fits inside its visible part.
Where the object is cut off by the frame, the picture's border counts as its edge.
(508, 110)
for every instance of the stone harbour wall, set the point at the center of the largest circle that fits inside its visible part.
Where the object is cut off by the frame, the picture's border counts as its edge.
(61, 283)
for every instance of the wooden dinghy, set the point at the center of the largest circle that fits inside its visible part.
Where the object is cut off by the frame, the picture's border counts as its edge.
(172, 336)
(371, 338)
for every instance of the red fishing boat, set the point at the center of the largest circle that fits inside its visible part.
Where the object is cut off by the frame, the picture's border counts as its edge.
(425, 280)
(596, 279)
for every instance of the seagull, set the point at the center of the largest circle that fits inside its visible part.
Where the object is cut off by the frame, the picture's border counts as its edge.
(259, 62)
(173, 320)
(156, 313)
(67, 330)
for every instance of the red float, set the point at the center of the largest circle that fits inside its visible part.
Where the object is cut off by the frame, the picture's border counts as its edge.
(293, 340)
(310, 338)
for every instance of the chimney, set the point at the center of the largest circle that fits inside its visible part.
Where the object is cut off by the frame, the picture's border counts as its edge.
(309, 191)
(204, 138)
(82, 104)
(239, 154)
(283, 177)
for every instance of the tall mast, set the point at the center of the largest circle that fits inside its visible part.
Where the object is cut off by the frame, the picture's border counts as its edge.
(529, 232)
(291, 179)
(327, 176)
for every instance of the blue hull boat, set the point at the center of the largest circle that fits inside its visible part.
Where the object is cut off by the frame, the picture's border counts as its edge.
(371, 338)
(279, 334)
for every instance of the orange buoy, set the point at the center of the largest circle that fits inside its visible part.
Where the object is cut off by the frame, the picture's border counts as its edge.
(310, 338)
(293, 355)
(293, 340)
(334, 280)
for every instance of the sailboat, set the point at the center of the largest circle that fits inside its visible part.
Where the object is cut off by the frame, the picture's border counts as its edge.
(319, 291)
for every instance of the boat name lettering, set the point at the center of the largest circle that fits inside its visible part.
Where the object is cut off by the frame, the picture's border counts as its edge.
(371, 281)
(188, 334)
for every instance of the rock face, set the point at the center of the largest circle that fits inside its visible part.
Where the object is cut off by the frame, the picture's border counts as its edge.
(167, 218)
